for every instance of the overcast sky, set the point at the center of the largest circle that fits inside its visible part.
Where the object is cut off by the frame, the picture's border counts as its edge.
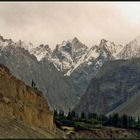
(52, 22)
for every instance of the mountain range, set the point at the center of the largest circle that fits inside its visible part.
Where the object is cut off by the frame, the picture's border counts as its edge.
(74, 59)
(59, 90)
(65, 73)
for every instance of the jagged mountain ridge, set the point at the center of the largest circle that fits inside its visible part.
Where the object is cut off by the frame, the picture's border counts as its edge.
(91, 62)
(69, 55)
(78, 63)
(41, 51)
(48, 79)
(75, 59)
(92, 59)
(131, 50)
(66, 55)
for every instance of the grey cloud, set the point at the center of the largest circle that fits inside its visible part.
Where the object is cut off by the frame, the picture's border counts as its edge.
(53, 22)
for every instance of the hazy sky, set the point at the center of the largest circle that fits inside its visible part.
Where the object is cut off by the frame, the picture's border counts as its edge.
(52, 22)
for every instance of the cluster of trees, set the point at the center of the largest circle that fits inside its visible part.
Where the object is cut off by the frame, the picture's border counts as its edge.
(72, 115)
(123, 121)
(114, 120)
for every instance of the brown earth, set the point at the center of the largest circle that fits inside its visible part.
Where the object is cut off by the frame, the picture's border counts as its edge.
(23, 109)
(105, 132)
(13, 128)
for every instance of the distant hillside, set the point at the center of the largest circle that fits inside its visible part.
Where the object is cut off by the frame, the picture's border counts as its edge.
(131, 107)
(116, 82)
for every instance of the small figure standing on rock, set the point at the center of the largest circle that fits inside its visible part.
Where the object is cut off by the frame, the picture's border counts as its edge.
(33, 84)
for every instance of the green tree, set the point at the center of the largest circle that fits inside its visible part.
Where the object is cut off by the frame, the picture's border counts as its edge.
(138, 127)
(61, 113)
(139, 121)
(115, 119)
(90, 115)
(131, 121)
(124, 121)
(73, 114)
(55, 113)
(103, 119)
(69, 117)
(83, 116)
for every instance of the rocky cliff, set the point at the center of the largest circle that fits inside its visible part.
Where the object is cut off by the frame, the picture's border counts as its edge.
(21, 102)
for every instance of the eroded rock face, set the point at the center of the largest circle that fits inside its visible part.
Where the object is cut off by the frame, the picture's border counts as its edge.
(22, 102)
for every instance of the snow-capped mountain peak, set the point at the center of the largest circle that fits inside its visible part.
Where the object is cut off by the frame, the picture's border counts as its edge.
(42, 51)
(24, 44)
(132, 49)
(111, 47)
(4, 42)
(67, 54)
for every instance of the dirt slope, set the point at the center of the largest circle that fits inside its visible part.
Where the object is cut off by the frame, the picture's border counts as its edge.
(24, 111)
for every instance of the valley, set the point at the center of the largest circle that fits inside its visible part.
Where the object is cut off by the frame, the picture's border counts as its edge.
(96, 126)
(70, 70)
(101, 79)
